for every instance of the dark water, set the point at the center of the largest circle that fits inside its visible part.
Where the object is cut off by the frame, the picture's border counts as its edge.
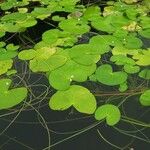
(28, 129)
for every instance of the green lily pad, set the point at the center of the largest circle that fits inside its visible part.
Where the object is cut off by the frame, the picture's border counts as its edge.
(145, 74)
(12, 97)
(14, 17)
(77, 96)
(144, 22)
(132, 42)
(41, 12)
(105, 75)
(50, 36)
(27, 54)
(122, 60)
(61, 78)
(12, 47)
(120, 50)
(84, 54)
(100, 45)
(123, 87)
(92, 13)
(131, 69)
(45, 52)
(103, 24)
(145, 33)
(2, 34)
(49, 64)
(2, 44)
(6, 55)
(145, 98)
(105, 40)
(142, 58)
(5, 65)
(74, 26)
(11, 72)
(109, 112)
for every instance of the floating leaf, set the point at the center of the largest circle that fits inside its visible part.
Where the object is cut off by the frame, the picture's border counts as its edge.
(61, 78)
(49, 64)
(41, 12)
(105, 75)
(11, 72)
(92, 13)
(109, 112)
(27, 54)
(2, 44)
(123, 87)
(84, 54)
(122, 60)
(74, 26)
(142, 58)
(103, 24)
(105, 41)
(132, 42)
(120, 50)
(145, 98)
(100, 45)
(145, 33)
(6, 55)
(12, 97)
(5, 65)
(76, 96)
(12, 47)
(2, 34)
(50, 36)
(131, 69)
(145, 74)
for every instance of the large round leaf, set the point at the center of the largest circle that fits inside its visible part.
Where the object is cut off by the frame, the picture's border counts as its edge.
(5, 65)
(27, 54)
(145, 98)
(109, 112)
(61, 78)
(105, 75)
(145, 74)
(84, 54)
(10, 98)
(76, 96)
(74, 26)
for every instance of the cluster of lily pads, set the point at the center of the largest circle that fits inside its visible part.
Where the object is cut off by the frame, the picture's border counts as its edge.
(119, 29)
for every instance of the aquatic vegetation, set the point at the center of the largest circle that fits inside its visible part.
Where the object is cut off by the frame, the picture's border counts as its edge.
(113, 56)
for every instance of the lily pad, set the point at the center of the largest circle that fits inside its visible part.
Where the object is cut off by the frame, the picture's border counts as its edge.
(92, 13)
(145, 33)
(77, 96)
(131, 69)
(61, 78)
(49, 64)
(105, 75)
(6, 55)
(145, 74)
(12, 97)
(5, 65)
(142, 58)
(132, 42)
(84, 54)
(109, 112)
(122, 60)
(145, 98)
(74, 26)
(27, 54)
